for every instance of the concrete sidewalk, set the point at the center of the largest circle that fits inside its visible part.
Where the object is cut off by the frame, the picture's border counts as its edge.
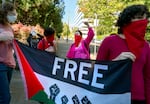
(17, 90)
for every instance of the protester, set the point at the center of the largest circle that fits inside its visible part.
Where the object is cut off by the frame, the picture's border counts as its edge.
(34, 38)
(48, 43)
(8, 15)
(80, 48)
(130, 43)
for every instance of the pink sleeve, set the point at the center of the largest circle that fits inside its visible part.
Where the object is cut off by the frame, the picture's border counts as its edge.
(90, 36)
(147, 78)
(70, 53)
(103, 51)
(6, 35)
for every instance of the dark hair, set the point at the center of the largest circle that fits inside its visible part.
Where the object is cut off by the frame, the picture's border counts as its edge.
(131, 12)
(8, 6)
(49, 31)
(79, 32)
(4, 9)
(2, 17)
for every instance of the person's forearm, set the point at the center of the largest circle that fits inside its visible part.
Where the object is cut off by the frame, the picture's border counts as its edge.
(4, 36)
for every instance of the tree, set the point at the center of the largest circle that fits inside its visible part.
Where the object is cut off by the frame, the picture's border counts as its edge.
(147, 2)
(43, 12)
(107, 12)
(66, 30)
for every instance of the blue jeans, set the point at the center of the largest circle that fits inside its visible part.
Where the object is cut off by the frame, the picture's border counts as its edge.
(5, 77)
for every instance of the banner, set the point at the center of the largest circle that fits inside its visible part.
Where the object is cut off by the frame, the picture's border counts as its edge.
(54, 80)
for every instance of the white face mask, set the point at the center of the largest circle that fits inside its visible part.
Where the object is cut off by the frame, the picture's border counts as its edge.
(11, 18)
(33, 33)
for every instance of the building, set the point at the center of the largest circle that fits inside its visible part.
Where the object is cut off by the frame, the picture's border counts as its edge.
(79, 21)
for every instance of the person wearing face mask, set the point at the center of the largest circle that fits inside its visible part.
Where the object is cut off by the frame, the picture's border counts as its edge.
(130, 43)
(11, 17)
(7, 61)
(34, 38)
(48, 43)
(80, 48)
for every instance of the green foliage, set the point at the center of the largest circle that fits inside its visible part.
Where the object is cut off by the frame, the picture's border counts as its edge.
(107, 12)
(43, 12)
(147, 2)
(66, 30)
(148, 33)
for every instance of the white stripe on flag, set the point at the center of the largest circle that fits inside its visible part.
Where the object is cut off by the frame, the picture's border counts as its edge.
(70, 90)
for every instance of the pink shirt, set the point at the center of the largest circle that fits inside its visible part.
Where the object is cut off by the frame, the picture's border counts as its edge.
(79, 52)
(6, 47)
(82, 51)
(111, 47)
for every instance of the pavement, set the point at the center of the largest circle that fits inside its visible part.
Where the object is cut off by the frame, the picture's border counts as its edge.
(16, 85)
(17, 90)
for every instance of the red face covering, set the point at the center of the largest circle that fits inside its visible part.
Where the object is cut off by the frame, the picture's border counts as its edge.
(50, 39)
(135, 33)
(77, 40)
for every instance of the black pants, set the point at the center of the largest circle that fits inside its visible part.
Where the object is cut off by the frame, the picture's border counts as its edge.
(138, 102)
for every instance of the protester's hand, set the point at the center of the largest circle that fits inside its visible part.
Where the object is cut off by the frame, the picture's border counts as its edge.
(87, 24)
(125, 55)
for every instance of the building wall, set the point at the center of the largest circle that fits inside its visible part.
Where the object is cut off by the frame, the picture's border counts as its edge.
(79, 22)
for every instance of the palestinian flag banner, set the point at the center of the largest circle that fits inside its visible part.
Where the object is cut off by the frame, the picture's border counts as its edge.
(50, 79)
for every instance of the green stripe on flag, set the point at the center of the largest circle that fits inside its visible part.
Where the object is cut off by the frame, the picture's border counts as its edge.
(42, 97)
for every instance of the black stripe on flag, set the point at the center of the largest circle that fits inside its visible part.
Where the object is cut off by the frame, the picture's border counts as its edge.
(112, 76)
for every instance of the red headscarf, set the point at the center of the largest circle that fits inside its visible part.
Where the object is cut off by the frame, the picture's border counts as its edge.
(50, 39)
(78, 39)
(135, 33)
